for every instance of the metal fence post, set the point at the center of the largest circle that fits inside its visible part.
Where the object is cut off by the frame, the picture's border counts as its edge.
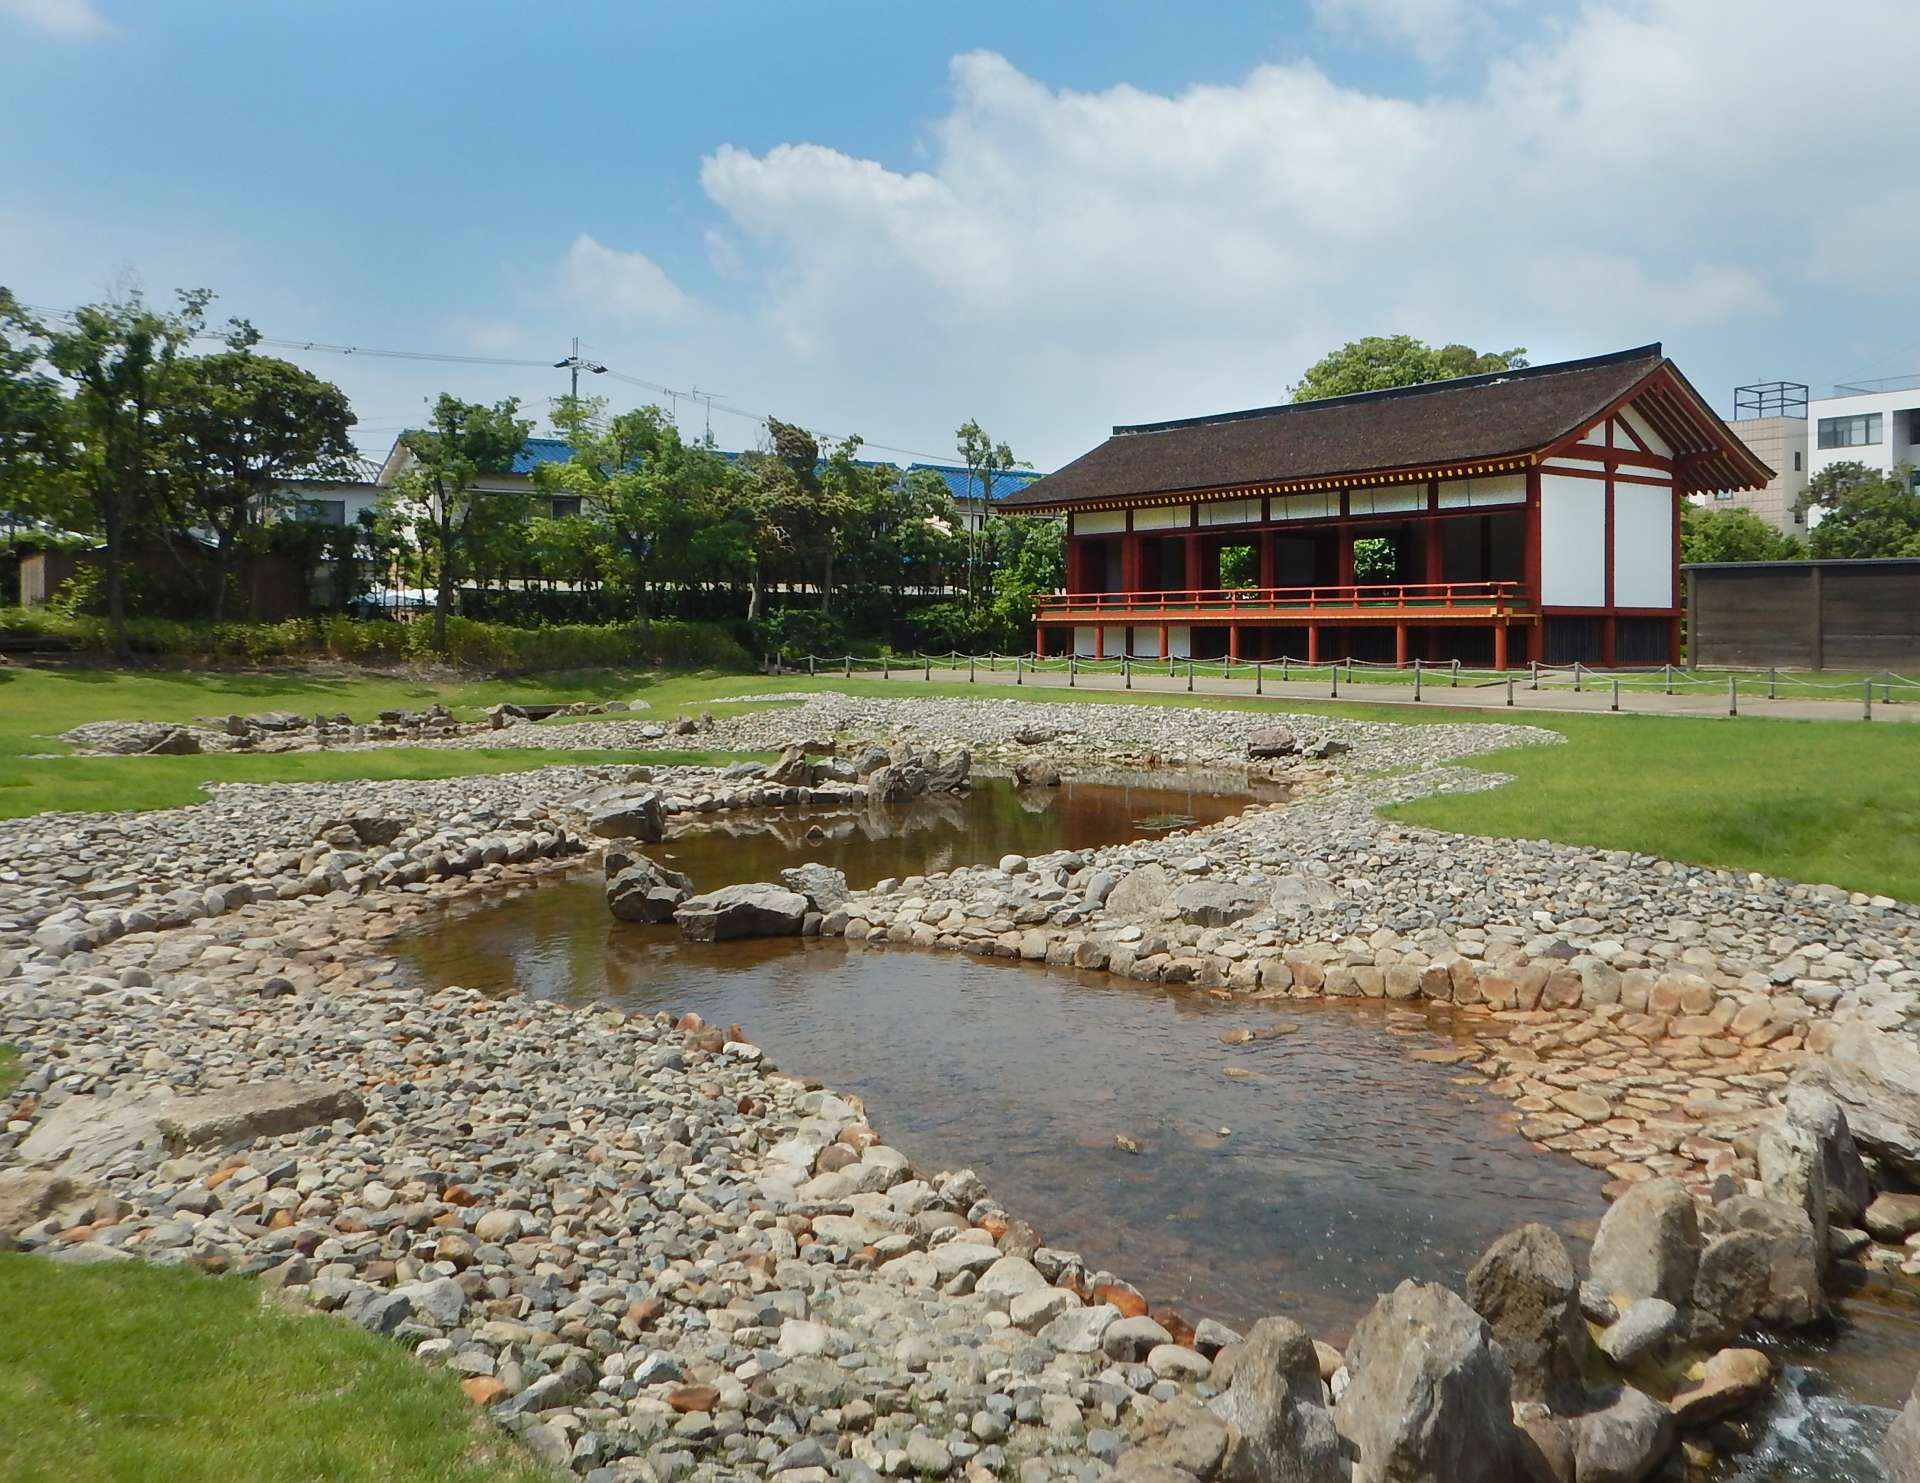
(1256, 678)
(849, 667)
(926, 661)
(1126, 672)
(969, 669)
(1533, 674)
(1669, 673)
(1017, 678)
(1773, 683)
(1454, 683)
(1285, 661)
(1576, 676)
(993, 663)
(886, 665)
(1416, 681)
(1886, 686)
(1614, 704)
(1866, 700)
(810, 667)
(1509, 687)
(1189, 677)
(1733, 695)
(1334, 670)
(1073, 668)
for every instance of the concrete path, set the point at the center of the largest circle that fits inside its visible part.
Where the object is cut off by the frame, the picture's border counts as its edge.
(1435, 691)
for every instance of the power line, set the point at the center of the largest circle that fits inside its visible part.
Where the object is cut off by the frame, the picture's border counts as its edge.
(659, 389)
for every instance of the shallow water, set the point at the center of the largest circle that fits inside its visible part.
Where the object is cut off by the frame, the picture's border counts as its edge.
(1345, 1165)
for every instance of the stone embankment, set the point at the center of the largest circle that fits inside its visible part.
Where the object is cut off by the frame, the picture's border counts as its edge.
(655, 1257)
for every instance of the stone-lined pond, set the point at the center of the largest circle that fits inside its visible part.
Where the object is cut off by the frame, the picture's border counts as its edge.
(1303, 1171)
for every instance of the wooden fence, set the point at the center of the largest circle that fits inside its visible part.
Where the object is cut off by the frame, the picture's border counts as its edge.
(1804, 614)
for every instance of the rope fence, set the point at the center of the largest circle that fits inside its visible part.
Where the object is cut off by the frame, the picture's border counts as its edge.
(1884, 688)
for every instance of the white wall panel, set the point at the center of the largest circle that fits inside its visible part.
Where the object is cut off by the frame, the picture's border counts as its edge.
(1167, 517)
(1180, 643)
(1099, 522)
(1495, 489)
(1230, 512)
(1387, 499)
(1573, 541)
(1083, 642)
(1642, 546)
(1639, 424)
(1306, 506)
(1114, 645)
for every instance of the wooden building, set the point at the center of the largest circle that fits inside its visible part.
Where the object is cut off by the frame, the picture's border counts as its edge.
(1529, 514)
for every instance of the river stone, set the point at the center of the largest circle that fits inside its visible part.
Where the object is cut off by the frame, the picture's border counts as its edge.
(1644, 1327)
(28, 1196)
(1011, 1275)
(638, 817)
(1648, 1244)
(646, 891)
(821, 884)
(1180, 1440)
(1141, 892)
(1901, 1449)
(1214, 903)
(1893, 1217)
(1729, 1381)
(1282, 1431)
(1791, 1295)
(1817, 1115)
(948, 774)
(1429, 1394)
(89, 1135)
(1036, 772)
(756, 910)
(791, 771)
(1729, 1285)
(1079, 1330)
(1526, 1289)
(235, 1115)
(1272, 741)
(1875, 1077)
(1622, 1441)
(1130, 1339)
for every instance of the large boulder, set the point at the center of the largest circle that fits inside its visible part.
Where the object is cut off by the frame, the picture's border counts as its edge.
(1730, 1381)
(1214, 903)
(792, 770)
(1790, 1296)
(229, 1116)
(1272, 741)
(1812, 1126)
(1901, 1450)
(1875, 1077)
(949, 774)
(1036, 772)
(646, 891)
(757, 910)
(1429, 1394)
(1276, 1405)
(1526, 1289)
(1648, 1244)
(1623, 1440)
(1729, 1286)
(1143, 891)
(821, 884)
(896, 782)
(89, 1135)
(638, 816)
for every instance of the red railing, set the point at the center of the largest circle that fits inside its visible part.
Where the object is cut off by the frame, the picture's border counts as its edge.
(1381, 599)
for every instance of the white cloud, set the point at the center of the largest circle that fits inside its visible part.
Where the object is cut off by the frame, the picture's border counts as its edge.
(73, 18)
(485, 336)
(1067, 259)
(628, 285)
(1435, 30)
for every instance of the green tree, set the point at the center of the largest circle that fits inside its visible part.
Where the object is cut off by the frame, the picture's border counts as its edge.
(1732, 534)
(1029, 555)
(121, 358)
(985, 462)
(1865, 512)
(436, 499)
(36, 469)
(1378, 362)
(234, 427)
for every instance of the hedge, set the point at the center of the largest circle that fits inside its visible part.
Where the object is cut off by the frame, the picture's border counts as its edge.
(494, 647)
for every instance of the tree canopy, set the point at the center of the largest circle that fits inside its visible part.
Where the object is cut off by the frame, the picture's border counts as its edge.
(1732, 534)
(1864, 512)
(1378, 362)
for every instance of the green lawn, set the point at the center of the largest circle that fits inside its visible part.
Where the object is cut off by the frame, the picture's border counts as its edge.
(9, 1068)
(1815, 801)
(129, 1373)
(37, 705)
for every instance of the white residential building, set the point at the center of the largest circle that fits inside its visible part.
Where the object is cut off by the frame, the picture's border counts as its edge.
(1876, 423)
(1771, 419)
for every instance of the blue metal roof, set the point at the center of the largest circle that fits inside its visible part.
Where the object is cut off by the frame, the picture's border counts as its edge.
(540, 450)
(958, 485)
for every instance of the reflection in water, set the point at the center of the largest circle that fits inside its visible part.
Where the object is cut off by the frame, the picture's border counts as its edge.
(1345, 1167)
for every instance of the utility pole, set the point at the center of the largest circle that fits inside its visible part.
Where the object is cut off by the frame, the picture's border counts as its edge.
(707, 397)
(574, 365)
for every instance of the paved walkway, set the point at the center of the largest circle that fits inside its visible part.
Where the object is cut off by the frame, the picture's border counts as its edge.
(1469, 694)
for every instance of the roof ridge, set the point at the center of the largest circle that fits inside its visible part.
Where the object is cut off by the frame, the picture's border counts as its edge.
(1650, 351)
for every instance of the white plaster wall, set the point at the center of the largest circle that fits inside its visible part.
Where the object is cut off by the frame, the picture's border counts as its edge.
(1230, 512)
(1115, 642)
(1642, 546)
(1169, 517)
(1099, 522)
(1639, 424)
(1573, 541)
(1306, 506)
(1179, 643)
(1596, 434)
(1387, 499)
(1083, 642)
(1492, 489)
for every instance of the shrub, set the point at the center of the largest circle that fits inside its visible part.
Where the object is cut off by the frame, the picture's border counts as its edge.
(801, 631)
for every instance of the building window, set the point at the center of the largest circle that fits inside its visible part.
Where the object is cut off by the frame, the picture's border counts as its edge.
(1723, 494)
(1862, 431)
(565, 506)
(1796, 461)
(321, 511)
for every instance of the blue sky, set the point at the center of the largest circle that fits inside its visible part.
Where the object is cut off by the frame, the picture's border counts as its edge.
(888, 218)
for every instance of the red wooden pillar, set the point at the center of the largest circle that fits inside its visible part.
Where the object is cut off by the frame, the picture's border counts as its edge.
(1532, 539)
(1436, 573)
(1074, 563)
(1344, 559)
(1313, 643)
(1400, 646)
(1099, 640)
(1264, 544)
(1673, 641)
(1233, 641)
(1193, 562)
(1039, 640)
(1606, 641)
(1499, 646)
(1163, 641)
